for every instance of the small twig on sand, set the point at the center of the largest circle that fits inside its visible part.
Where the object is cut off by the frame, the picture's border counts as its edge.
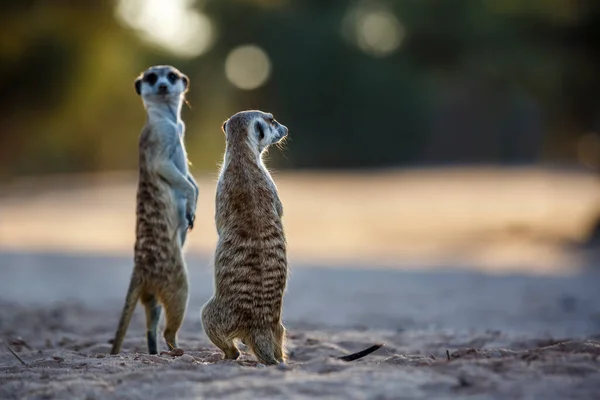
(360, 354)
(17, 356)
(448, 355)
(20, 342)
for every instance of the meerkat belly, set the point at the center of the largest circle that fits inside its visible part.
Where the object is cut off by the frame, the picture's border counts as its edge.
(156, 229)
(251, 268)
(180, 158)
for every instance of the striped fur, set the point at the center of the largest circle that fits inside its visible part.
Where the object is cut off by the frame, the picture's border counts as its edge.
(250, 260)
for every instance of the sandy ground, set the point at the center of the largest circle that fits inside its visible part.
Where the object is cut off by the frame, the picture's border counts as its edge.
(516, 311)
(508, 336)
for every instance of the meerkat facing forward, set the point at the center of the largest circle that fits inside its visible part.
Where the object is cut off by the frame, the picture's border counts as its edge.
(250, 260)
(166, 204)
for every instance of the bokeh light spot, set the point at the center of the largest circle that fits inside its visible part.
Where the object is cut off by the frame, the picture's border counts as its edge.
(379, 33)
(171, 24)
(247, 67)
(374, 29)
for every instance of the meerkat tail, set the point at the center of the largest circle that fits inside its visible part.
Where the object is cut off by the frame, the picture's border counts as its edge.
(262, 344)
(360, 354)
(133, 295)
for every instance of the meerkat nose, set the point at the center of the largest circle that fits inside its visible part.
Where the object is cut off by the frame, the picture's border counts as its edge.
(162, 88)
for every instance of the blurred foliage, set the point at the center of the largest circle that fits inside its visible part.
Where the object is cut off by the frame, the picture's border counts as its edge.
(472, 81)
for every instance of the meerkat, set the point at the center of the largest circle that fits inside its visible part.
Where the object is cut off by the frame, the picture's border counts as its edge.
(166, 204)
(250, 259)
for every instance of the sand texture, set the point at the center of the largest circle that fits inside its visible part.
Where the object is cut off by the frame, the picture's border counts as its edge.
(506, 336)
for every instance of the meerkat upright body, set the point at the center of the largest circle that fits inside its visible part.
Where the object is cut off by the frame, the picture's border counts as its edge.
(250, 259)
(166, 204)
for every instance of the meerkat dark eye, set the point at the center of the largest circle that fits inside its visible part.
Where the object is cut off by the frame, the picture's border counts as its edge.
(172, 77)
(151, 78)
(260, 130)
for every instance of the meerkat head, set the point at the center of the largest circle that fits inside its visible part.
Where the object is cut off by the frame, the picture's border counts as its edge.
(258, 129)
(161, 84)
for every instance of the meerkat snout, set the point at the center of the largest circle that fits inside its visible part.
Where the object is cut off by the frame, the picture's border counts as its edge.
(270, 131)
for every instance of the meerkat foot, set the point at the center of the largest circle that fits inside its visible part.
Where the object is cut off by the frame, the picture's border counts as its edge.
(153, 312)
(279, 336)
(170, 336)
(152, 344)
(263, 347)
(231, 353)
(227, 346)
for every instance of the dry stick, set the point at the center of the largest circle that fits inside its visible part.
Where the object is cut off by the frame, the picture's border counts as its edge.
(16, 355)
(448, 355)
(21, 342)
(360, 354)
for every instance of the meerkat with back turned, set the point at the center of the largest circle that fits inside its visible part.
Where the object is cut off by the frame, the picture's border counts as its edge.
(250, 260)
(166, 204)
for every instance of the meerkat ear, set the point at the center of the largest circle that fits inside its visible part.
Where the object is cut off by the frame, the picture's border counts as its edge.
(223, 126)
(186, 81)
(138, 86)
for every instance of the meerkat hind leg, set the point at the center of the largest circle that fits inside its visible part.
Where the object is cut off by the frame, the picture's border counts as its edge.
(227, 346)
(175, 306)
(214, 328)
(279, 336)
(153, 312)
(263, 344)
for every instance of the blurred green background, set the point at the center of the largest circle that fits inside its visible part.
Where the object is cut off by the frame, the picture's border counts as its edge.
(359, 83)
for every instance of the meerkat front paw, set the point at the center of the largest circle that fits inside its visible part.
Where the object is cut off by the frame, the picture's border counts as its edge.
(190, 210)
(190, 220)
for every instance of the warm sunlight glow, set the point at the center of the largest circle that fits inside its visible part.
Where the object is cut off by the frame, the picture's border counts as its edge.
(171, 24)
(247, 67)
(376, 31)
(379, 33)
